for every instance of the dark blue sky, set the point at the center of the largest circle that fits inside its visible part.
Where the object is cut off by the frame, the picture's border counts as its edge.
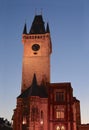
(69, 26)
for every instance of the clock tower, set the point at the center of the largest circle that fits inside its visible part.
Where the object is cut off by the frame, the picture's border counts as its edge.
(43, 105)
(36, 53)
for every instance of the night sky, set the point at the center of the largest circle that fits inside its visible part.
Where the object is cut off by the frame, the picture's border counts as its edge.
(69, 26)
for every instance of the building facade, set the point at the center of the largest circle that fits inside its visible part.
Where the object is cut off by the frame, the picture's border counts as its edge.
(43, 105)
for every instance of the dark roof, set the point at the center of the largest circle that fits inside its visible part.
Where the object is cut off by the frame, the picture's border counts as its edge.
(25, 29)
(37, 25)
(75, 99)
(47, 28)
(6, 128)
(34, 90)
(61, 85)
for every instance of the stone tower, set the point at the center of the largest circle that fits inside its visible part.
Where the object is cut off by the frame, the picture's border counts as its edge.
(31, 112)
(36, 54)
(42, 105)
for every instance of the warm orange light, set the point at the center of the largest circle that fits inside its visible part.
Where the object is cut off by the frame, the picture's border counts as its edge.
(41, 122)
(24, 121)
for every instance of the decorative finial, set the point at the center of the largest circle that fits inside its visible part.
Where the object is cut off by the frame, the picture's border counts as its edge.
(35, 11)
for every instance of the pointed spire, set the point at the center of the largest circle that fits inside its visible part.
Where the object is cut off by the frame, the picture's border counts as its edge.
(25, 29)
(34, 82)
(37, 25)
(34, 87)
(47, 28)
(34, 90)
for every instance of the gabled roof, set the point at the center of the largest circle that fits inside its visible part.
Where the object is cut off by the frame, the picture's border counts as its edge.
(34, 90)
(37, 25)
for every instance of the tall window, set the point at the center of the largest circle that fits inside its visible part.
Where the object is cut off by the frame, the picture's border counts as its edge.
(59, 96)
(24, 120)
(41, 114)
(41, 119)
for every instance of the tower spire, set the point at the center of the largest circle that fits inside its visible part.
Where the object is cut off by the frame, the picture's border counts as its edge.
(25, 29)
(47, 28)
(41, 11)
(34, 82)
(37, 25)
(35, 11)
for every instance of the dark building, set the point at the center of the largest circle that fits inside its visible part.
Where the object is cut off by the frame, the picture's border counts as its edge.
(83, 127)
(5, 124)
(43, 105)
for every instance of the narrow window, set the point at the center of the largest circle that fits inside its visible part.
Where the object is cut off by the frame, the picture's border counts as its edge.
(41, 114)
(41, 120)
(24, 120)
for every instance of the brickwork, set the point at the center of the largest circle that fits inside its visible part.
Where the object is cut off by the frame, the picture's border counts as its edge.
(23, 114)
(63, 107)
(83, 127)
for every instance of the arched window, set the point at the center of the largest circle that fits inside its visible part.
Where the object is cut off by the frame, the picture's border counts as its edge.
(60, 127)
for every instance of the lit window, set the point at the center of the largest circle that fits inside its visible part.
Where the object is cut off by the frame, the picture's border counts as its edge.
(60, 128)
(41, 120)
(24, 120)
(60, 113)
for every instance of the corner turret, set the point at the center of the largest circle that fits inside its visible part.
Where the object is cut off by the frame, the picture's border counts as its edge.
(47, 28)
(25, 29)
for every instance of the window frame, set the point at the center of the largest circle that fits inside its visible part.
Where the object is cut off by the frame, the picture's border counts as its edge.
(59, 96)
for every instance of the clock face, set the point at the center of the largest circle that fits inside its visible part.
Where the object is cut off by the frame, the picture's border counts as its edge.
(35, 47)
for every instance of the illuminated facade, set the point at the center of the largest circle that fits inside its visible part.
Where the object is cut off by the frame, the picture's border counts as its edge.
(43, 105)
